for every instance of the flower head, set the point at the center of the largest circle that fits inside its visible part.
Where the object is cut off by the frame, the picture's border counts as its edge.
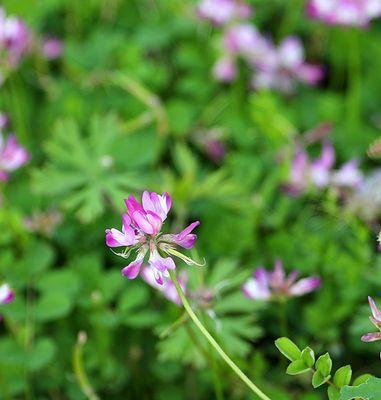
(375, 318)
(269, 285)
(12, 156)
(6, 293)
(223, 11)
(345, 12)
(141, 232)
(52, 48)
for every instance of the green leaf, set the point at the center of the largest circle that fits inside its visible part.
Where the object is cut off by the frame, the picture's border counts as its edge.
(308, 356)
(41, 354)
(318, 379)
(370, 390)
(324, 364)
(333, 393)
(361, 379)
(288, 348)
(297, 367)
(343, 376)
(53, 305)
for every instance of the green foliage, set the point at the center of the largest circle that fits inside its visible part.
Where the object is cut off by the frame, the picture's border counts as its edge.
(370, 390)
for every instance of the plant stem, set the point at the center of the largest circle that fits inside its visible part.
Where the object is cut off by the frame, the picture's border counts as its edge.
(79, 370)
(179, 322)
(213, 342)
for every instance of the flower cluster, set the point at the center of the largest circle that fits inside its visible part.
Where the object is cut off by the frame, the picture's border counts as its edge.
(6, 294)
(12, 156)
(320, 174)
(273, 67)
(275, 285)
(15, 39)
(375, 318)
(141, 232)
(345, 12)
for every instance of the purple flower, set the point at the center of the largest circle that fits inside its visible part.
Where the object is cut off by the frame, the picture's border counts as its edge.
(52, 48)
(269, 285)
(168, 288)
(141, 232)
(12, 156)
(348, 176)
(345, 12)
(375, 318)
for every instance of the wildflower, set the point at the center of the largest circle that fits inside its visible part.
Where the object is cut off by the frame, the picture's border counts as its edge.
(223, 11)
(141, 232)
(268, 285)
(52, 48)
(345, 12)
(225, 69)
(375, 318)
(6, 293)
(320, 174)
(15, 38)
(167, 288)
(12, 156)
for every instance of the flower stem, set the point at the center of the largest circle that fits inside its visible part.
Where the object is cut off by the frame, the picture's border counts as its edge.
(212, 341)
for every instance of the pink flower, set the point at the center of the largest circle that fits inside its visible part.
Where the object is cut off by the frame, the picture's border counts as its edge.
(375, 318)
(223, 11)
(225, 69)
(12, 156)
(3, 121)
(348, 176)
(52, 48)
(141, 232)
(6, 293)
(345, 12)
(268, 285)
(242, 38)
(168, 288)
(15, 38)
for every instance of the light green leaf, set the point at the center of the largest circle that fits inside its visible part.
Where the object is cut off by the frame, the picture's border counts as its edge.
(288, 348)
(297, 367)
(370, 390)
(324, 364)
(318, 379)
(308, 356)
(343, 376)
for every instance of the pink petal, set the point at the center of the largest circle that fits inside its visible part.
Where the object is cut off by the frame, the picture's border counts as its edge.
(161, 263)
(304, 286)
(371, 337)
(253, 290)
(375, 311)
(131, 271)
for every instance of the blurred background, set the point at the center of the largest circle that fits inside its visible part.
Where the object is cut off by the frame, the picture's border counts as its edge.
(262, 120)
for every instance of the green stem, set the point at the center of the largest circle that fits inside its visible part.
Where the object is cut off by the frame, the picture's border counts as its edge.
(212, 341)
(179, 322)
(79, 370)
(354, 81)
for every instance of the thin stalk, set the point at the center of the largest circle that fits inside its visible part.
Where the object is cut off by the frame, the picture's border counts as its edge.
(79, 370)
(179, 322)
(354, 81)
(213, 342)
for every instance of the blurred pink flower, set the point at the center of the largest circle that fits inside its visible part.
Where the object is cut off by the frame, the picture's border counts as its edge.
(269, 285)
(3, 121)
(320, 174)
(345, 12)
(167, 288)
(52, 48)
(15, 38)
(12, 156)
(141, 232)
(223, 11)
(6, 293)
(225, 69)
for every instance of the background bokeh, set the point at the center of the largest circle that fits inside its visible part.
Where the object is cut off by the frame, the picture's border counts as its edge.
(131, 104)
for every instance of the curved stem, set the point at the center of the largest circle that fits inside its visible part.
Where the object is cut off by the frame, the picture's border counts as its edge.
(212, 341)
